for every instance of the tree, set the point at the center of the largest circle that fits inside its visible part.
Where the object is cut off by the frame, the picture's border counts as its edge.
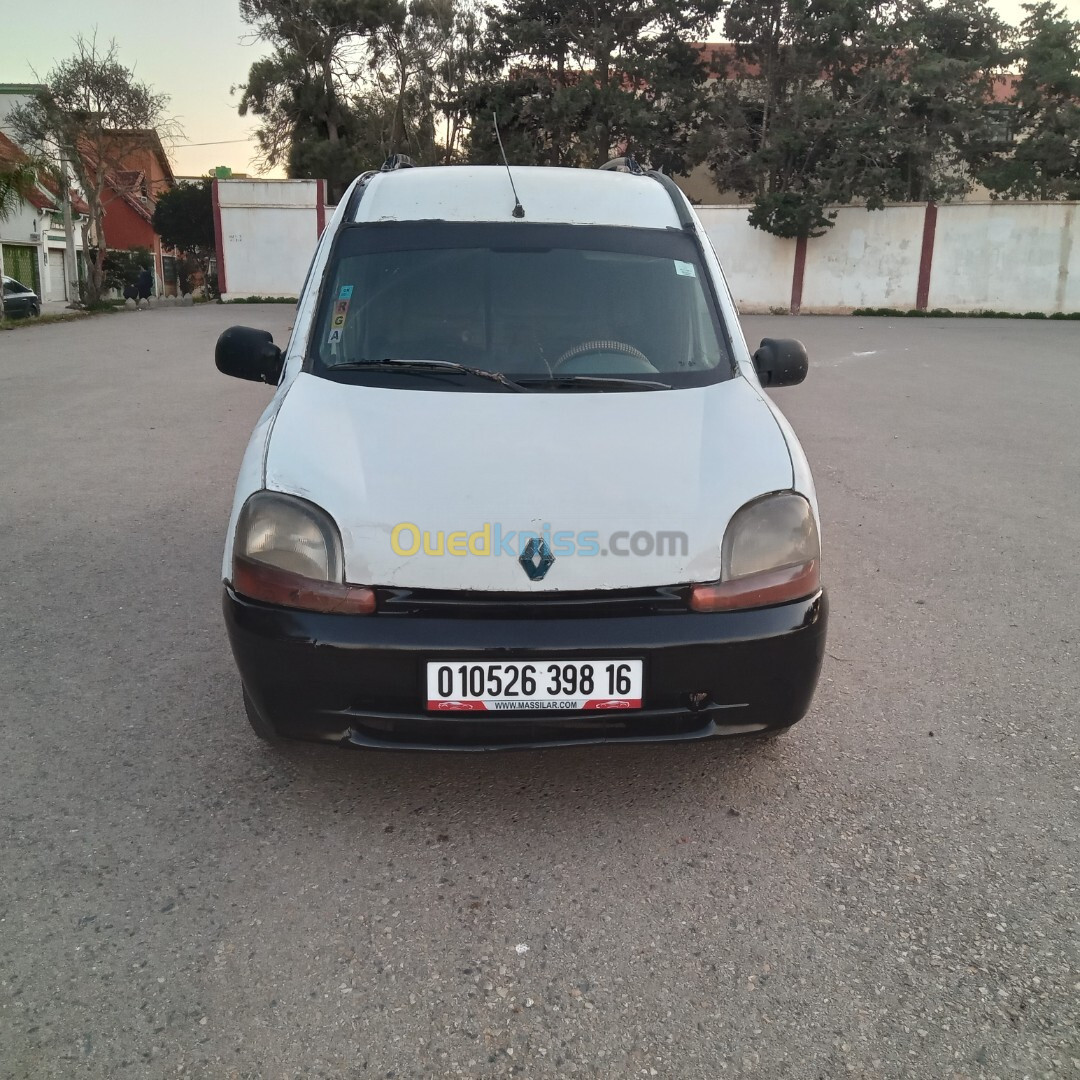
(421, 61)
(351, 81)
(575, 82)
(403, 53)
(301, 91)
(17, 180)
(18, 177)
(1045, 112)
(94, 113)
(184, 219)
(456, 68)
(122, 268)
(845, 100)
(945, 122)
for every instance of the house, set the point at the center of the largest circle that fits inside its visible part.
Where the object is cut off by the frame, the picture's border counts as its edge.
(140, 173)
(32, 239)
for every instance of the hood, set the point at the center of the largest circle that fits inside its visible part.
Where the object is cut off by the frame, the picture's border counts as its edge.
(595, 474)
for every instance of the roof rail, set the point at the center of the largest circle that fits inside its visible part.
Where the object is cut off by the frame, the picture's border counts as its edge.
(629, 163)
(678, 200)
(357, 194)
(397, 161)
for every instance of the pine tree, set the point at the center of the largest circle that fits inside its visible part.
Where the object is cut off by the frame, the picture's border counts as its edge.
(1044, 162)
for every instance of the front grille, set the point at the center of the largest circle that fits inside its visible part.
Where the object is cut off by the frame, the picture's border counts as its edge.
(458, 604)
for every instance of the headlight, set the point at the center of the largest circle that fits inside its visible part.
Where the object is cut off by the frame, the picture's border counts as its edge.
(287, 551)
(771, 554)
(291, 534)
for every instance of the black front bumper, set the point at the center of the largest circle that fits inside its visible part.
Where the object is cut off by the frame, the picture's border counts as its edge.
(359, 679)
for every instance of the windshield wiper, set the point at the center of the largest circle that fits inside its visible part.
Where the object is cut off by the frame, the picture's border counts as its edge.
(601, 381)
(430, 365)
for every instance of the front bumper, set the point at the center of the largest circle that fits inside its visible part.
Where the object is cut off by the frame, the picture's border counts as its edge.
(359, 679)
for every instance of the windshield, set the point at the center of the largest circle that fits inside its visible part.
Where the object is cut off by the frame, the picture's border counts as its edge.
(549, 306)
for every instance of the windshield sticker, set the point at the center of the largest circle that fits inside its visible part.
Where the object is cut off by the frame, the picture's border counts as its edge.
(684, 269)
(341, 310)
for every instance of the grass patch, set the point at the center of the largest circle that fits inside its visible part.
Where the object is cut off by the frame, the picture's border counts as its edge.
(945, 313)
(54, 317)
(262, 300)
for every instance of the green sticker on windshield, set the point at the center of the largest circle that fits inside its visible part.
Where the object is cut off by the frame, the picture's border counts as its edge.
(684, 269)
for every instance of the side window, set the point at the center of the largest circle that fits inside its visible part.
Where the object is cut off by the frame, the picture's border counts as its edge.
(12, 287)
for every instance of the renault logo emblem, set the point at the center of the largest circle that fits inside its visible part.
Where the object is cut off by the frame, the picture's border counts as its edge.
(536, 558)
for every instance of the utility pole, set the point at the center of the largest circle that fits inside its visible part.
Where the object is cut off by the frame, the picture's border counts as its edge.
(71, 266)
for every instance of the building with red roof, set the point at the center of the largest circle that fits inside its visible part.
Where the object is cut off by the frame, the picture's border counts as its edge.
(130, 198)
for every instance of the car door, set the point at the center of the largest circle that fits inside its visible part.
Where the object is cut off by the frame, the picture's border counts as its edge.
(15, 299)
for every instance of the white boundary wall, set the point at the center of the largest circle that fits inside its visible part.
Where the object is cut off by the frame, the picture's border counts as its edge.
(996, 256)
(758, 266)
(863, 257)
(1008, 257)
(266, 234)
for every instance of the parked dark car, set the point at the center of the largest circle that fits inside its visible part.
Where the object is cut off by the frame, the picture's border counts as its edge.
(19, 301)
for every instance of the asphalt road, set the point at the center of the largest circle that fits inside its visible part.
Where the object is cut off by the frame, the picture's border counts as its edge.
(890, 890)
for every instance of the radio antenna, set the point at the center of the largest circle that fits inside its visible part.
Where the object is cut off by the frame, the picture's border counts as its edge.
(519, 210)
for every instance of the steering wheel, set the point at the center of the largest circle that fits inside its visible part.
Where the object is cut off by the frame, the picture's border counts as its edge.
(602, 346)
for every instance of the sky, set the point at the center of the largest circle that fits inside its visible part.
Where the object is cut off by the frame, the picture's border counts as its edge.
(194, 52)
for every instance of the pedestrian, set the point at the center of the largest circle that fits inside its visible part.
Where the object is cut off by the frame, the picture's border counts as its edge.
(145, 283)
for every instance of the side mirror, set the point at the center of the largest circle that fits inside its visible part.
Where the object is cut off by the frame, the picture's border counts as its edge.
(780, 362)
(249, 354)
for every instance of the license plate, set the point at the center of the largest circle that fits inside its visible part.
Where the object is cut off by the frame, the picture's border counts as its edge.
(537, 685)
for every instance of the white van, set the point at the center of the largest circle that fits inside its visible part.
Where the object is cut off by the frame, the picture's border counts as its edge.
(519, 483)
